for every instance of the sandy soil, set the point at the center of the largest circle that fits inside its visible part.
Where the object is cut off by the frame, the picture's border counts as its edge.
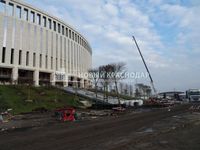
(177, 129)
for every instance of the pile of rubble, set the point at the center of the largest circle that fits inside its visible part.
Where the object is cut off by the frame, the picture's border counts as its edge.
(195, 108)
(5, 116)
(93, 114)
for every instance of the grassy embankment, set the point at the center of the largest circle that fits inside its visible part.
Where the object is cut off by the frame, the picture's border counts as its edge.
(16, 97)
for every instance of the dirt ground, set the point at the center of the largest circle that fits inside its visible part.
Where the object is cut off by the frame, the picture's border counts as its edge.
(168, 129)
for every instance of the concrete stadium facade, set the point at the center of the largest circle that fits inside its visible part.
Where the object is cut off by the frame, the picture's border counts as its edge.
(39, 49)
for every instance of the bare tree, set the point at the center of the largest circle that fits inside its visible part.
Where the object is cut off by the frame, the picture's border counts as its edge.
(94, 76)
(105, 72)
(130, 90)
(118, 70)
(121, 87)
(126, 89)
(137, 93)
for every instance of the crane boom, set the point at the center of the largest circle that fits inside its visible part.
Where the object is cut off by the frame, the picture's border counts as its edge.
(152, 84)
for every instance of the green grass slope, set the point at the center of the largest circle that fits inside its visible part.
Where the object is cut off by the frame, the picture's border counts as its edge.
(16, 97)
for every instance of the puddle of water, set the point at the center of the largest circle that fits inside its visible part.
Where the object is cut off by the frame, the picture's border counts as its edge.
(178, 117)
(148, 130)
(143, 145)
(163, 142)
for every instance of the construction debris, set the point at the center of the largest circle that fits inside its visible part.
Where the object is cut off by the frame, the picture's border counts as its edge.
(153, 102)
(195, 108)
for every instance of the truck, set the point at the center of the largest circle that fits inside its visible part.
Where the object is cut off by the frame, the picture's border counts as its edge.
(193, 95)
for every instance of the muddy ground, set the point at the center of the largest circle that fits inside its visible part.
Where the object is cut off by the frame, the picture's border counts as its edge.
(177, 128)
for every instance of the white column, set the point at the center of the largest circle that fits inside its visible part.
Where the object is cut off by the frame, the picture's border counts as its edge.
(14, 75)
(70, 57)
(72, 50)
(81, 59)
(78, 59)
(66, 80)
(59, 52)
(36, 78)
(66, 55)
(52, 79)
(82, 83)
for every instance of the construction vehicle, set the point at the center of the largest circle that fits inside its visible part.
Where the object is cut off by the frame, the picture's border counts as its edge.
(65, 114)
(193, 95)
(151, 79)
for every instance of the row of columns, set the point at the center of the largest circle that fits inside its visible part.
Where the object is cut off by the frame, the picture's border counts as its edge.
(82, 82)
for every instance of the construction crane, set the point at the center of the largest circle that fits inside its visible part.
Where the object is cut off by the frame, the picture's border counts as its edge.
(151, 80)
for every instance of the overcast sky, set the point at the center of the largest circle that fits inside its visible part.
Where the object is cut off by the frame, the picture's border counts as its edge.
(168, 33)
